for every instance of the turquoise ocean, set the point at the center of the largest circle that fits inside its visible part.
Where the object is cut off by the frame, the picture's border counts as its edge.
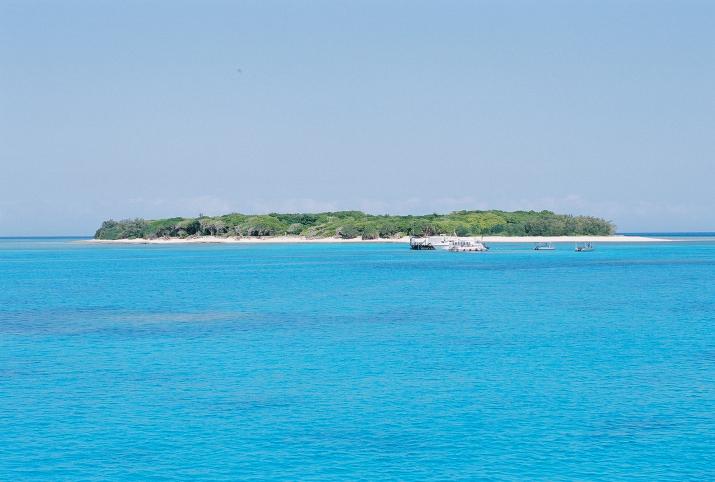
(361, 361)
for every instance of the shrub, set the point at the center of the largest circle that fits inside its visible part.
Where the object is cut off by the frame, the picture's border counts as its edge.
(347, 231)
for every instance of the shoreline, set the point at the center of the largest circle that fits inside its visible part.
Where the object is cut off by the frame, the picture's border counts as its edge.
(404, 239)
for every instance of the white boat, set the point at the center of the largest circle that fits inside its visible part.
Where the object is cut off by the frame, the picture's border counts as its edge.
(467, 245)
(439, 242)
(544, 247)
(449, 243)
(419, 243)
(429, 242)
(581, 247)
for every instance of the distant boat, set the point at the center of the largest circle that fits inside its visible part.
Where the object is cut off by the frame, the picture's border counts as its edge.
(419, 243)
(581, 247)
(544, 247)
(429, 242)
(467, 246)
(449, 243)
(440, 242)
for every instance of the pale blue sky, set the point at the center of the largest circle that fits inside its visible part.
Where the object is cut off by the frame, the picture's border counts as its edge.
(134, 108)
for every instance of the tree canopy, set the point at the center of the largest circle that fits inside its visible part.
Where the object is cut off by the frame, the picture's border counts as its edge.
(352, 224)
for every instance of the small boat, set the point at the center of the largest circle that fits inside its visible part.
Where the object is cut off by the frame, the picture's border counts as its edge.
(429, 242)
(467, 246)
(419, 243)
(439, 242)
(581, 247)
(544, 247)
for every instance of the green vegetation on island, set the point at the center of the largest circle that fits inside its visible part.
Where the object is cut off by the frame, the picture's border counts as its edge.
(353, 224)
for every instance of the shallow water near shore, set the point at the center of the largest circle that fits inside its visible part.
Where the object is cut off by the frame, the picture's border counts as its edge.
(369, 361)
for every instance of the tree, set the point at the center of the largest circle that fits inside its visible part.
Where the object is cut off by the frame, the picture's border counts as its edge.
(347, 231)
(349, 224)
(295, 228)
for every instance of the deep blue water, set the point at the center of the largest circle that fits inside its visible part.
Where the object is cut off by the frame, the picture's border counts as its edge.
(371, 362)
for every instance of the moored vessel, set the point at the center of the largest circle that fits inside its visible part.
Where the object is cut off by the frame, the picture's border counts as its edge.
(544, 247)
(581, 247)
(466, 245)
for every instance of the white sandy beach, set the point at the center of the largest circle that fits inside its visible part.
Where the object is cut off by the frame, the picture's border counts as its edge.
(405, 239)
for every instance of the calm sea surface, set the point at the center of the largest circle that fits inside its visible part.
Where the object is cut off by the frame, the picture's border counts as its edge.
(335, 362)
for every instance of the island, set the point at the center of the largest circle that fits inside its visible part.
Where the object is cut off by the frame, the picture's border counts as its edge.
(356, 226)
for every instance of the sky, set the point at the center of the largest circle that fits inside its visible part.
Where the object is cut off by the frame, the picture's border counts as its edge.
(174, 108)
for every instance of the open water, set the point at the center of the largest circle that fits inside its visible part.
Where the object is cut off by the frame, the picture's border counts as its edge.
(342, 362)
